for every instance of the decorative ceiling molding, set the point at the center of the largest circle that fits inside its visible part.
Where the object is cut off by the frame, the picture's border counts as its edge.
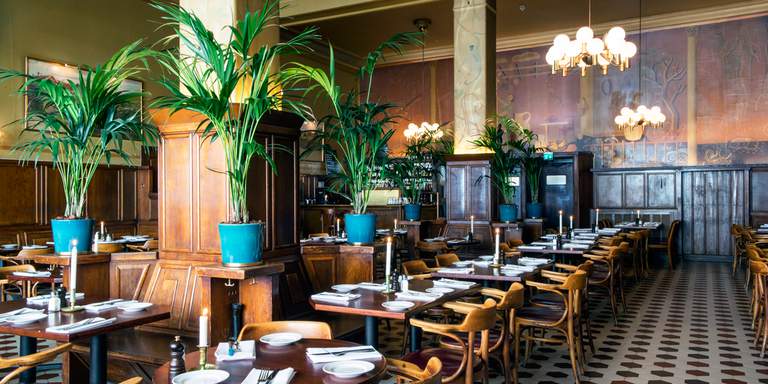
(350, 10)
(703, 16)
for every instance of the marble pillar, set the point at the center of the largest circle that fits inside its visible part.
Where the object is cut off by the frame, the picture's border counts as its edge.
(474, 69)
(690, 122)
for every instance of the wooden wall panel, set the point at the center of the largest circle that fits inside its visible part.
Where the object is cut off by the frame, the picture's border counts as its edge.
(662, 188)
(284, 196)
(19, 199)
(609, 190)
(634, 190)
(175, 206)
(456, 192)
(480, 192)
(211, 196)
(102, 194)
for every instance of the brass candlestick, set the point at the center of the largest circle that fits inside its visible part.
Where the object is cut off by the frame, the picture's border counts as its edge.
(72, 300)
(203, 363)
(387, 286)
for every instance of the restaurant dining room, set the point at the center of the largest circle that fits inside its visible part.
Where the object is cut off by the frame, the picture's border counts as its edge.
(383, 191)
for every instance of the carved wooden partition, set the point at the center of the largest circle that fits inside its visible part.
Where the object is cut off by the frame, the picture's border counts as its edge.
(468, 193)
(328, 265)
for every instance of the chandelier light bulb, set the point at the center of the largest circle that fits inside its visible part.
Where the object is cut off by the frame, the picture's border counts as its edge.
(626, 111)
(584, 34)
(561, 40)
(616, 33)
(595, 46)
(629, 49)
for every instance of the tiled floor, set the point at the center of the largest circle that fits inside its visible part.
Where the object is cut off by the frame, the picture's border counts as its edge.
(687, 326)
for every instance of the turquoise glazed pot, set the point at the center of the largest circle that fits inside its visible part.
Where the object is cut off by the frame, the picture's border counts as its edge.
(64, 231)
(361, 229)
(412, 211)
(507, 212)
(535, 210)
(241, 244)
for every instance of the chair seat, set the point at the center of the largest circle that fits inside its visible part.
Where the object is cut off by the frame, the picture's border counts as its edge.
(539, 314)
(547, 298)
(451, 359)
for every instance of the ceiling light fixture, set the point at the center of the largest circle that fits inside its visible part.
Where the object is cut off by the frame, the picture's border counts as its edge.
(587, 50)
(415, 131)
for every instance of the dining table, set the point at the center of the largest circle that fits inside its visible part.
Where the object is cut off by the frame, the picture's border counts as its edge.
(370, 306)
(275, 358)
(483, 272)
(28, 334)
(29, 281)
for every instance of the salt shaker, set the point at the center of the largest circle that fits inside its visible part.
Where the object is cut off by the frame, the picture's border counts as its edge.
(54, 303)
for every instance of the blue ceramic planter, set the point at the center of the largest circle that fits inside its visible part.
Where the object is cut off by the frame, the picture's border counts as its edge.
(412, 212)
(507, 212)
(535, 210)
(64, 231)
(240, 244)
(361, 229)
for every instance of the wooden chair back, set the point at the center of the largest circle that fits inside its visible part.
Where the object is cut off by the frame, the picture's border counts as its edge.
(320, 234)
(10, 238)
(10, 269)
(411, 373)
(415, 267)
(132, 380)
(480, 319)
(307, 329)
(33, 251)
(109, 247)
(37, 237)
(23, 363)
(674, 229)
(514, 297)
(446, 259)
(432, 246)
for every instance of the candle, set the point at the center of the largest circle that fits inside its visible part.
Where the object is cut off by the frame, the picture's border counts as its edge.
(638, 214)
(597, 217)
(395, 224)
(496, 256)
(102, 229)
(388, 267)
(570, 222)
(437, 205)
(560, 224)
(203, 338)
(472, 224)
(73, 269)
(338, 226)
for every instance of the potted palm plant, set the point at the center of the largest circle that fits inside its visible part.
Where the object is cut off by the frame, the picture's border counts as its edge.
(358, 129)
(81, 124)
(232, 86)
(411, 172)
(499, 136)
(533, 162)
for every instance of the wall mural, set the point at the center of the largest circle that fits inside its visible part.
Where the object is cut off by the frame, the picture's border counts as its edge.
(728, 121)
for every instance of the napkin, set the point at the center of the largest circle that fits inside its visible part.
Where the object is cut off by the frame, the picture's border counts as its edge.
(581, 230)
(20, 311)
(327, 355)
(482, 263)
(335, 297)
(371, 286)
(43, 299)
(34, 247)
(247, 351)
(532, 261)
(544, 243)
(462, 271)
(582, 241)
(105, 305)
(417, 296)
(82, 325)
(576, 245)
(524, 247)
(283, 376)
(524, 268)
(33, 274)
(453, 283)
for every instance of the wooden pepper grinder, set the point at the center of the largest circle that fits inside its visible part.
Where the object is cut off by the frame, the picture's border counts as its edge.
(177, 366)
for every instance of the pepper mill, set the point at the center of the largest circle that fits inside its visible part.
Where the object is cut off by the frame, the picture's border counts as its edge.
(177, 366)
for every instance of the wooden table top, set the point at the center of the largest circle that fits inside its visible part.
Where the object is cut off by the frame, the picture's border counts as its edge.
(37, 330)
(554, 250)
(488, 274)
(268, 357)
(369, 304)
(634, 227)
(36, 279)
(82, 258)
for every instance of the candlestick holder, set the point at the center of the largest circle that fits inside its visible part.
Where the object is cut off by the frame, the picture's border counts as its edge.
(203, 362)
(72, 301)
(387, 286)
(496, 263)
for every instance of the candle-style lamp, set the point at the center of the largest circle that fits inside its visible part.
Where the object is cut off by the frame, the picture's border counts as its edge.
(72, 279)
(497, 252)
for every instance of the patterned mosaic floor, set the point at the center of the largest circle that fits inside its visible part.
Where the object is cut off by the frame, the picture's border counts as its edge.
(688, 326)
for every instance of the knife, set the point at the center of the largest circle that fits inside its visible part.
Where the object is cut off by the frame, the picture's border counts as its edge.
(271, 376)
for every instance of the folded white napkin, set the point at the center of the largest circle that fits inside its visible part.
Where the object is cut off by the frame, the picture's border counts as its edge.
(482, 263)
(580, 230)
(576, 246)
(582, 241)
(33, 274)
(105, 305)
(20, 311)
(335, 297)
(524, 247)
(532, 261)
(544, 243)
(462, 271)
(43, 299)
(524, 268)
(511, 272)
(283, 376)
(327, 355)
(82, 325)
(371, 286)
(417, 296)
(34, 247)
(247, 351)
(453, 283)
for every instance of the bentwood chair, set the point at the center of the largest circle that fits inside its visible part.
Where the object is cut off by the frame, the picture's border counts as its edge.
(424, 248)
(607, 274)
(413, 374)
(417, 268)
(307, 329)
(738, 246)
(21, 288)
(760, 306)
(561, 319)
(463, 361)
(133, 380)
(24, 363)
(149, 245)
(499, 336)
(670, 245)
(446, 259)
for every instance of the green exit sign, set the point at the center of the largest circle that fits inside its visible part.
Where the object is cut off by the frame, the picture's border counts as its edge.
(549, 156)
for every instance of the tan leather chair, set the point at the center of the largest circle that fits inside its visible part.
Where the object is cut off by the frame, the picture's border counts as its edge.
(670, 245)
(22, 288)
(307, 329)
(23, 363)
(446, 259)
(411, 373)
(416, 268)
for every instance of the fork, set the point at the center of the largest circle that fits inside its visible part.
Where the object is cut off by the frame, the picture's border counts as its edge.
(264, 375)
(78, 324)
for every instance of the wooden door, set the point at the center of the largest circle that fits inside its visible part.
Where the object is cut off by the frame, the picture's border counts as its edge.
(712, 201)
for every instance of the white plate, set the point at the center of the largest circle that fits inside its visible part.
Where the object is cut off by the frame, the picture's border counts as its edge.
(440, 290)
(486, 257)
(397, 305)
(280, 339)
(27, 318)
(133, 307)
(10, 245)
(344, 288)
(207, 376)
(348, 369)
